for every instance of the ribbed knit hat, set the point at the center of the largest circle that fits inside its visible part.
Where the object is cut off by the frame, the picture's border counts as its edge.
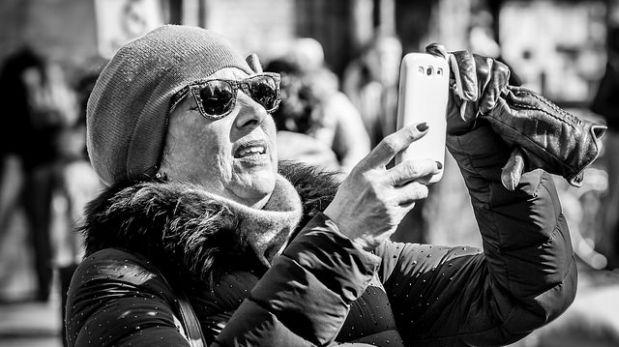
(128, 108)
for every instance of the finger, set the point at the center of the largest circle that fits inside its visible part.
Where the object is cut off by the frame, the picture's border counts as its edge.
(410, 193)
(497, 79)
(254, 63)
(437, 50)
(392, 145)
(463, 69)
(410, 170)
(512, 171)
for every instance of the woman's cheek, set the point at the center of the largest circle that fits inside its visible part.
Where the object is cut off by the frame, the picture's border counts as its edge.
(271, 131)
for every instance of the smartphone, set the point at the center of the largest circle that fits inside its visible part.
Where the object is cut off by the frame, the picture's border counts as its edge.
(423, 96)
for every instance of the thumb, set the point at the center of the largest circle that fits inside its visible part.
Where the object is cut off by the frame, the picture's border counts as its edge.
(512, 171)
(463, 70)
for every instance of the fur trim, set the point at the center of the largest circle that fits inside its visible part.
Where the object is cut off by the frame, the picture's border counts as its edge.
(316, 188)
(170, 221)
(183, 227)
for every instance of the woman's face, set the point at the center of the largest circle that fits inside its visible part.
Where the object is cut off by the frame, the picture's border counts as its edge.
(235, 156)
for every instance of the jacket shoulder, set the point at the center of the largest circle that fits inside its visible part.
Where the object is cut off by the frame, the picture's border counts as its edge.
(120, 267)
(113, 285)
(113, 261)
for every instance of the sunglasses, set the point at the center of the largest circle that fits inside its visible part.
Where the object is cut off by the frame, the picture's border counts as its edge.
(216, 98)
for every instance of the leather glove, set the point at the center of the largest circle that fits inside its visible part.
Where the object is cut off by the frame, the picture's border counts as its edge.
(543, 135)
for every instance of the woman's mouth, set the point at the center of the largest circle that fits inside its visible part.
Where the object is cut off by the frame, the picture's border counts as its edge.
(251, 149)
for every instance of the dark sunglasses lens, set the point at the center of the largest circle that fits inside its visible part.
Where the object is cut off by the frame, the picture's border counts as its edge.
(264, 90)
(217, 97)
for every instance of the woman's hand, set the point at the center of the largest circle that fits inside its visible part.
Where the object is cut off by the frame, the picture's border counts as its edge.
(372, 200)
(475, 86)
(476, 83)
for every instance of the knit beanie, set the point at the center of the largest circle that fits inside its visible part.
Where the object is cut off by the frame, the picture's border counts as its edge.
(128, 108)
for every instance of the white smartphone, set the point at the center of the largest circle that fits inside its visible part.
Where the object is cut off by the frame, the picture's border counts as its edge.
(423, 97)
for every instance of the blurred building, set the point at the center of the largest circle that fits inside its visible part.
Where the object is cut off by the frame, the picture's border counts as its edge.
(73, 31)
(557, 47)
(567, 61)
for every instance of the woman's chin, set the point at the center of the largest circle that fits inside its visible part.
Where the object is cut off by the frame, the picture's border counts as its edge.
(255, 187)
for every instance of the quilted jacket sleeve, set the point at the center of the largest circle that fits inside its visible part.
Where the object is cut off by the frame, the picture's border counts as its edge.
(304, 297)
(524, 277)
(114, 300)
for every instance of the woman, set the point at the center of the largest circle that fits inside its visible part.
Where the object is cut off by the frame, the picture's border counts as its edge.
(199, 240)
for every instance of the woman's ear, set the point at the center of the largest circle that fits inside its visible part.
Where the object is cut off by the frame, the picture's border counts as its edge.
(254, 63)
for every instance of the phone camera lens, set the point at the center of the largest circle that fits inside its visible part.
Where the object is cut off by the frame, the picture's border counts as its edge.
(429, 71)
(439, 71)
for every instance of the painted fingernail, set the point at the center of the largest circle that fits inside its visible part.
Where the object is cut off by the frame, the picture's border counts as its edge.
(439, 165)
(422, 126)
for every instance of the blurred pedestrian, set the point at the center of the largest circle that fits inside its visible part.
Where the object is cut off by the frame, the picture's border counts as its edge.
(39, 105)
(371, 83)
(481, 40)
(606, 104)
(78, 184)
(312, 105)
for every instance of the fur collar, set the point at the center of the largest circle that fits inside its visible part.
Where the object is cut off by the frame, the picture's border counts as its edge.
(178, 226)
(266, 229)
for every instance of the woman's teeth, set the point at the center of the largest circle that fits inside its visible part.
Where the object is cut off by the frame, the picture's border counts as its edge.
(253, 150)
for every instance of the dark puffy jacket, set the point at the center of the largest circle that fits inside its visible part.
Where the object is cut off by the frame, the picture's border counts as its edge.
(151, 244)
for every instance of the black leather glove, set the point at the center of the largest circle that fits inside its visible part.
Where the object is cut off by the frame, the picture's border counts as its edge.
(543, 135)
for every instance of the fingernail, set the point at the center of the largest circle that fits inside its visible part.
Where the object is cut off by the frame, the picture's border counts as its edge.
(439, 165)
(422, 126)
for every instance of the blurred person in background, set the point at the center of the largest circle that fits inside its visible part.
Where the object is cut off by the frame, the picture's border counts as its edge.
(481, 40)
(203, 238)
(371, 83)
(307, 54)
(606, 104)
(312, 105)
(39, 106)
(77, 185)
(293, 121)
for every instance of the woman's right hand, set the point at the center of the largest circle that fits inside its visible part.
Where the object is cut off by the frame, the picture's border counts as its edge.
(372, 200)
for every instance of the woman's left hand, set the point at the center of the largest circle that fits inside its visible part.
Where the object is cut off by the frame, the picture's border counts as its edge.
(475, 86)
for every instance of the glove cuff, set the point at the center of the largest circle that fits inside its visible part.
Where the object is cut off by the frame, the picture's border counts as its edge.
(551, 138)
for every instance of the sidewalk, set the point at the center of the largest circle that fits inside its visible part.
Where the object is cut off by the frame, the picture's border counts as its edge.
(24, 323)
(30, 324)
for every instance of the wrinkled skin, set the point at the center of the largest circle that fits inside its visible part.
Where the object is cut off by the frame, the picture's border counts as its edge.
(372, 200)
(202, 151)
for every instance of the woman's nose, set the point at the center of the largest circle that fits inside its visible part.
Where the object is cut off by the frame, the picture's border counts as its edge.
(250, 113)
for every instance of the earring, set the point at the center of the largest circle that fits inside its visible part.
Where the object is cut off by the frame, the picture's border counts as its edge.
(161, 176)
